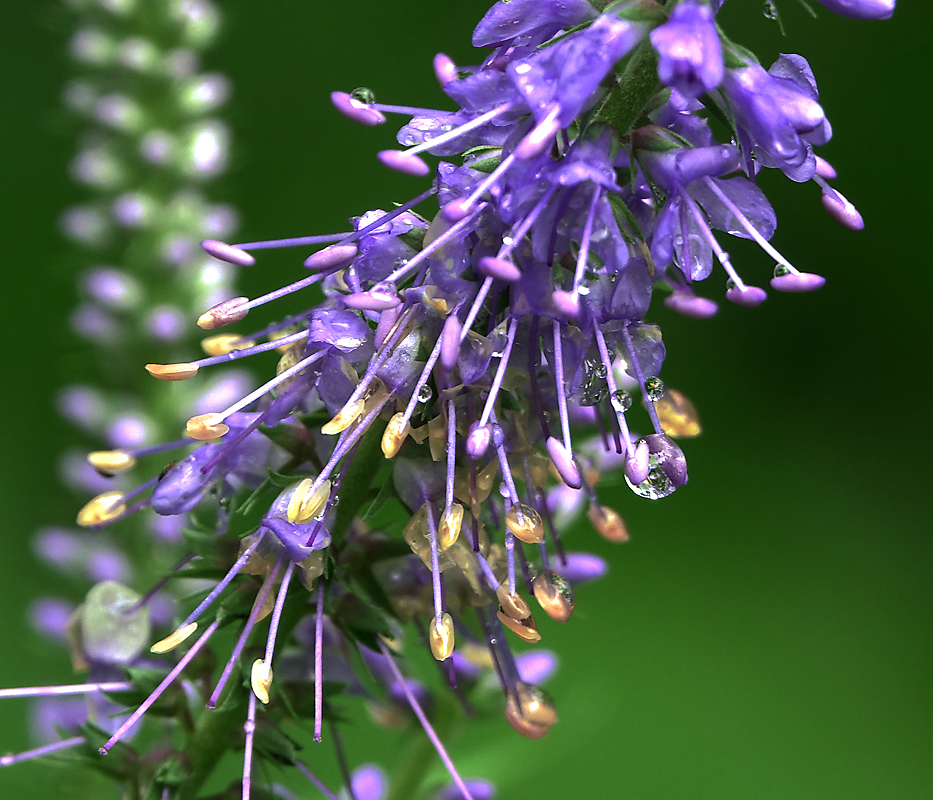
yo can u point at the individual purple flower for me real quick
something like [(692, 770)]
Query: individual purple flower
[(778, 116), (689, 52), (861, 9)]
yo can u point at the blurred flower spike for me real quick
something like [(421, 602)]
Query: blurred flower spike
[(463, 377)]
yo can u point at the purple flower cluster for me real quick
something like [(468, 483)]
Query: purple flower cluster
[(463, 377)]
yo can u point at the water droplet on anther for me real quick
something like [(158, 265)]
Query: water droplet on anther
[(654, 388), (364, 95)]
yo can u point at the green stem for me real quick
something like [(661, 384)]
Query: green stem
[(638, 84), (207, 745)]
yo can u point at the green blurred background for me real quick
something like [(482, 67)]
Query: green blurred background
[(768, 632)]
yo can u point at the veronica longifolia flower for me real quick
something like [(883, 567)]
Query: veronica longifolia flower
[(465, 374)]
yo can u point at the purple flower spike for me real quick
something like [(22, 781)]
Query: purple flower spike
[(402, 162), (479, 790), (566, 303), (637, 465), (564, 464), (499, 268), (689, 52), (333, 257), (227, 252), (841, 210), (748, 296), (690, 305), (478, 441), (536, 666), (861, 9), (582, 567), (444, 69), (797, 282), (369, 783), (356, 110), (825, 170)]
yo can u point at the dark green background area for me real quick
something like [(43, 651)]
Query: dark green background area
[(768, 632)]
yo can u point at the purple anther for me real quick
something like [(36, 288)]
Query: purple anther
[(404, 162), (499, 268), (841, 210), (637, 464), (690, 305), (582, 567), (797, 282), (861, 9), (374, 300), (536, 666), (748, 296), (356, 110), (227, 252), (333, 257), (539, 139), (450, 342), (478, 440), (563, 462), (824, 169), (444, 69), (456, 210), (566, 303)]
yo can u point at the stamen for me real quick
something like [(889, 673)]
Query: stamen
[(457, 132), (500, 373), (319, 661), (166, 682), (249, 728), (258, 605), (38, 752), (111, 462), (303, 769), (451, 233), (224, 313), (445, 70), (614, 394), (103, 508), (436, 577), (584, 254), (60, 691), (459, 209), (419, 713), (189, 625), (299, 241), (248, 350), (172, 372), (307, 502)]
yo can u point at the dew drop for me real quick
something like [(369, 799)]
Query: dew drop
[(654, 388), (621, 401), (425, 394), (364, 95)]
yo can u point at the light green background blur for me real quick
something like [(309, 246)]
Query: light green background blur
[(768, 632)]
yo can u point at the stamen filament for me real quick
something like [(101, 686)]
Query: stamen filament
[(422, 718)]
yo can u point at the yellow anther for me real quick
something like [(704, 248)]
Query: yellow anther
[(442, 637), (607, 523), (395, 434), (344, 418), (111, 462), (677, 414), (222, 343), (172, 372), (101, 509), (260, 678), (205, 427), (306, 504), (512, 605), (530, 711), (223, 313), (449, 530), (525, 523), (172, 641), (554, 595), (525, 629)]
